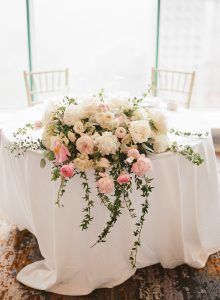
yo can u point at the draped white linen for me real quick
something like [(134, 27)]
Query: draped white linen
[(182, 225)]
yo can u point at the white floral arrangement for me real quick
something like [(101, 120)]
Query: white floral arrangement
[(115, 137)]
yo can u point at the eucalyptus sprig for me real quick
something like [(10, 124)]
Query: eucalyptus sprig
[(24, 142)]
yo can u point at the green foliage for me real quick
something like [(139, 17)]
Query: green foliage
[(189, 134), (42, 163), (188, 152)]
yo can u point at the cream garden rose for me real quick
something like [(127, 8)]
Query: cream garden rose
[(79, 127)]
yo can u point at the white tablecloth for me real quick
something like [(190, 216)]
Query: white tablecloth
[(183, 224)]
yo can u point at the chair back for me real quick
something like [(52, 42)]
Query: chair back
[(44, 84), (173, 85)]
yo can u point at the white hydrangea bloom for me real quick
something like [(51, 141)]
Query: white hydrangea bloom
[(161, 143), (107, 143), (140, 131), (159, 120)]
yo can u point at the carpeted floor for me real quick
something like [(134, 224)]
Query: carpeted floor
[(18, 249)]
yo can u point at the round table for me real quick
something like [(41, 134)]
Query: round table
[(182, 225)]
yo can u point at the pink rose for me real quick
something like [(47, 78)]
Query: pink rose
[(142, 166), (67, 170), (120, 132), (123, 178), (37, 124), (61, 152), (133, 153), (105, 184), (85, 144)]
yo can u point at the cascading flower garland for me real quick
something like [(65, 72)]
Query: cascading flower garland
[(114, 137)]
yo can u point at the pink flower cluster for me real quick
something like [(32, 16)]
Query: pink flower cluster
[(140, 167)]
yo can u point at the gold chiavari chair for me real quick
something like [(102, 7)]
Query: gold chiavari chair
[(40, 85), (173, 85)]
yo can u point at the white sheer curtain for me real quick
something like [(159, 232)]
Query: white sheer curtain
[(13, 54), (190, 40), (106, 44)]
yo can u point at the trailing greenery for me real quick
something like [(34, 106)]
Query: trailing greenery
[(189, 134)]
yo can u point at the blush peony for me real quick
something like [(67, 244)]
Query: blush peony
[(120, 132), (142, 166), (105, 184), (133, 153), (123, 178)]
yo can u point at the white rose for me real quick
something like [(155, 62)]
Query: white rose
[(161, 143), (140, 114), (104, 117), (78, 127), (121, 104), (107, 143), (90, 106), (72, 114), (140, 131), (49, 112), (159, 120), (106, 120)]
